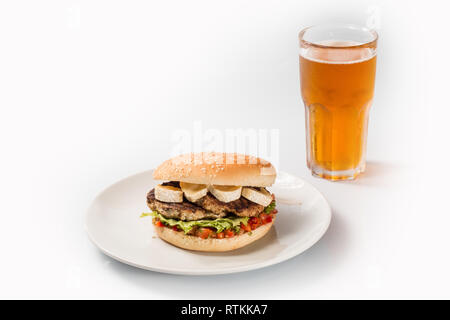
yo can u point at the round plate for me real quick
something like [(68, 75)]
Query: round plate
[(114, 225)]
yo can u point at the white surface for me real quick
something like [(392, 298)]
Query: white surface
[(91, 90), (129, 239)]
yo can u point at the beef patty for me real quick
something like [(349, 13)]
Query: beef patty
[(183, 211), (240, 207), (207, 207)]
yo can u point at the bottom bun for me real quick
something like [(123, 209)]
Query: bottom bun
[(182, 240)]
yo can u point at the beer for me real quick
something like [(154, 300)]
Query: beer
[(337, 84)]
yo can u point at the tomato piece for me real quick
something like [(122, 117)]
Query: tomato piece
[(159, 224), (246, 228), (229, 233), (175, 228), (274, 211), (254, 222), (204, 233), (220, 235), (265, 218)]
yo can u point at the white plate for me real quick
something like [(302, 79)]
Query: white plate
[(114, 225)]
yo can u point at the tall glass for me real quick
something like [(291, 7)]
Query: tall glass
[(337, 75)]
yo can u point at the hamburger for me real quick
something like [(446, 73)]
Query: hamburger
[(212, 201)]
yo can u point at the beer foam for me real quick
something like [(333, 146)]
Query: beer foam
[(337, 55)]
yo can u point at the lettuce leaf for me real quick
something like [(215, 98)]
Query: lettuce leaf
[(220, 224), (270, 207)]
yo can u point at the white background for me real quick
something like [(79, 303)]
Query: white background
[(91, 92)]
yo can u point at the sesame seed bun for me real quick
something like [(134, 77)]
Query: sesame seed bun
[(217, 168), (181, 240)]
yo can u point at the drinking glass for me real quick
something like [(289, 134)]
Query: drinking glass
[(337, 76)]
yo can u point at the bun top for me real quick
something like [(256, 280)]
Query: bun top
[(230, 169)]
